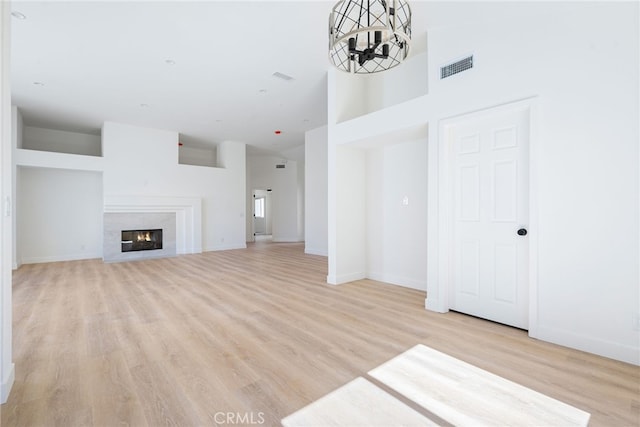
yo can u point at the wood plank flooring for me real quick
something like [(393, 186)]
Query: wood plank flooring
[(249, 336)]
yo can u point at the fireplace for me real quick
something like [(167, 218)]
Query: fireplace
[(141, 240), (124, 229)]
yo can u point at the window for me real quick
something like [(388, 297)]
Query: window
[(258, 208)]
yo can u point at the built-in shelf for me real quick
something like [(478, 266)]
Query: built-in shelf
[(197, 156), (58, 141)]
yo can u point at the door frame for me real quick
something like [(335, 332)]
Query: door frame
[(440, 200), (264, 207), (268, 212)]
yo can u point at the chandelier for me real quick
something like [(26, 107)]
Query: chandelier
[(369, 36)]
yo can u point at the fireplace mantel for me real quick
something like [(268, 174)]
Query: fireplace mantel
[(188, 211)]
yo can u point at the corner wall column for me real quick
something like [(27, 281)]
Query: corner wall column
[(7, 368)]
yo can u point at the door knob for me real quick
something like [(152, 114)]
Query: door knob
[(522, 232)]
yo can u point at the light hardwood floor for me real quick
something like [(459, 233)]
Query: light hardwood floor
[(255, 332)]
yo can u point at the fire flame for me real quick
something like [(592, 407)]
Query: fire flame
[(144, 237)]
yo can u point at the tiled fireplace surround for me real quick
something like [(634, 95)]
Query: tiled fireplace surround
[(180, 218)]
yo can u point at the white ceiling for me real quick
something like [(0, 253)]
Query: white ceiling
[(106, 61), (78, 64)]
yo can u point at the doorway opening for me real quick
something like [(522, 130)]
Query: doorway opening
[(261, 223)]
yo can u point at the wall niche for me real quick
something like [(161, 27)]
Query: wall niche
[(61, 141)]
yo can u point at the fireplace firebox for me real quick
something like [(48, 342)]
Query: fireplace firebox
[(141, 240)]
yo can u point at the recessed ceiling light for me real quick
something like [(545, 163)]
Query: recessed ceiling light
[(170, 61), (38, 83), (18, 15)]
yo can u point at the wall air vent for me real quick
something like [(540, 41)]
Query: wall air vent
[(279, 166), (456, 67), (282, 76)]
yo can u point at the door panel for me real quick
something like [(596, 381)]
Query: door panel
[(489, 184), (469, 200), (506, 259), (504, 194), (470, 267)]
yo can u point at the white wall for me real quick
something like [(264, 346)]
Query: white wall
[(137, 162), (300, 193), (587, 145), (396, 213), (316, 191), (361, 94), (285, 213), (262, 174), (59, 215), (143, 161), (68, 186), (351, 228), (7, 368), (354, 96), (397, 85), (581, 62), (17, 127), (298, 154), (58, 141)]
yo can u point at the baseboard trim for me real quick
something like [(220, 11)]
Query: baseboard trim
[(434, 305), (405, 282), (225, 247), (612, 350), (194, 250), (313, 251), (345, 278), (7, 384), (60, 258)]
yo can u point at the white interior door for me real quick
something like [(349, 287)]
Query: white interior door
[(489, 183)]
